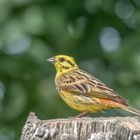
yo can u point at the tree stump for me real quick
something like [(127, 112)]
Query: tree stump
[(86, 128)]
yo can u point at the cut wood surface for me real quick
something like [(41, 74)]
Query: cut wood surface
[(86, 128)]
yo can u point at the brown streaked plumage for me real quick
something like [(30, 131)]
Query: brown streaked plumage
[(82, 91)]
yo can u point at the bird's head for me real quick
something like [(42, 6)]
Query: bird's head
[(63, 63)]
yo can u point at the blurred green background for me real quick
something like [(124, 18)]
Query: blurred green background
[(102, 35)]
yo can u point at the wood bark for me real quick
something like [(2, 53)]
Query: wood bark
[(86, 128)]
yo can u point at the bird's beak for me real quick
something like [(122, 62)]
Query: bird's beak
[(52, 60)]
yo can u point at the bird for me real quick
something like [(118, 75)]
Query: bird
[(82, 91)]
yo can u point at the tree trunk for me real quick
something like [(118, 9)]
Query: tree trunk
[(86, 128)]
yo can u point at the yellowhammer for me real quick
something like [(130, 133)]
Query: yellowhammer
[(82, 91)]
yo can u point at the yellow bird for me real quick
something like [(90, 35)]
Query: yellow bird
[(82, 91)]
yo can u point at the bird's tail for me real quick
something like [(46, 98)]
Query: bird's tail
[(131, 109)]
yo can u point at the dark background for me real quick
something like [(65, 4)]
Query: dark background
[(102, 35)]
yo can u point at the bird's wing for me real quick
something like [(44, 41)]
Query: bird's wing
[(81, 82)]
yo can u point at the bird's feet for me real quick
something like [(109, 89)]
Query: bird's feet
[(81, 114)]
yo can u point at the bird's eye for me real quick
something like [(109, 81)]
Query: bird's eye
[(62, 59)]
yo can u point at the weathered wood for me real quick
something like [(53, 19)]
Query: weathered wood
[(110, 128)]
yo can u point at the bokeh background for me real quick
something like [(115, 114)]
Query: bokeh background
[(102, 35)]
